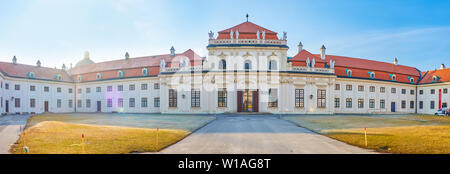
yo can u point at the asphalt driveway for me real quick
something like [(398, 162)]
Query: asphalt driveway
[(258, 134)]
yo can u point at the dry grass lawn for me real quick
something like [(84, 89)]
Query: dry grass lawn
[(52, 137), (405, 140)]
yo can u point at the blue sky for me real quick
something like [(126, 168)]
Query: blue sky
[(57, 32)]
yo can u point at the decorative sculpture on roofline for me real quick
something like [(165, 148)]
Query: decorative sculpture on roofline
[(307, 62), (284, 35), (211, 35), (231, 34), (163, 63), (237, 34), (258, 34), (264, 35), (332, 63), (313, 62)]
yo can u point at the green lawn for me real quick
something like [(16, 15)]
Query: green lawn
[(416, 134)]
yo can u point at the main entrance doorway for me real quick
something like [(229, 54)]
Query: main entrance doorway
[(45, 106), (247, 101), (99, 106)]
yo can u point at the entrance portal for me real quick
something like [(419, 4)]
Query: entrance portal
[(247, 101), (45, 106)]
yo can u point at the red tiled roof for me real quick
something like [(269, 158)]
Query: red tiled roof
[(443, 74), (139, 62), (304, 54), (21, 70), (247, 30)]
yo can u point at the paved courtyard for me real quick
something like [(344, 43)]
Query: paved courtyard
[(10, 126), (258, 134)]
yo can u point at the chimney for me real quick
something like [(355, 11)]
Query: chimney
[(300, 47), (442, 66), (322, 52), (127, 56), (38, 63), (395, 61), (172, 51), (14, 60)]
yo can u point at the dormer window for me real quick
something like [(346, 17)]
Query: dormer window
[(144, 72), (393, 77), (435, 78), (372, 75), (58, 77), (411, 80), (120, 74), (30, 75), (99, 76), (80, 78), (348, 72)]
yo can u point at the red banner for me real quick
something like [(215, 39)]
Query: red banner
[(440, 98)]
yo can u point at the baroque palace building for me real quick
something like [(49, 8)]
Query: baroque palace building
[(247, 69)]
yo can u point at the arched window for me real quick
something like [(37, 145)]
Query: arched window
[(120, 74), (411, 80), (273, 65), (435, 78), (144, 72), (223, 64), (58, 77), (99, 76), (248, 65), (393, 77)]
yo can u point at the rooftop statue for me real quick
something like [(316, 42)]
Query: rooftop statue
[(211, 35)]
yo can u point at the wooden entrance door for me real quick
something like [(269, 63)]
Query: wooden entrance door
[(247, 101), (46, 106), (99, 106), (239, 101), (255, 101), (6, 106)]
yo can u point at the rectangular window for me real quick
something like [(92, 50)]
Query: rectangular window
[(32, 103), (445, 91), (79, 90), (58, 90), (337, 87), (70, 90), (411, 92), (403, 91), (58, 103), (393, 90), (98, 89), (337, 103), (403, 104), (131, 87), (79, 103), (119, 87), (132, 103), (372, 88), (360, 88), (172, 98), (444, 105), (273, 97), (222, 97), (411, 104), (70, 103), (156, 86), (420, 104), (156, 102), (432, 91), (321, 98), (109, 103), (119, 103), (420, 92), (195, 98), (6, 86), (17, 102), (46, 89), (382, 89), (88, 90), (32, 88), (360, 103), (88, 103), (431, 104), (17, 87), (348, 87), (109, 88), (144, 102), (372, 103), (144, 86), (348, 103), (382, 104), (299, 98)]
